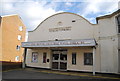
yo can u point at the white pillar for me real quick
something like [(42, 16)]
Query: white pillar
[(23, 63), (24, 58), (93, 61)]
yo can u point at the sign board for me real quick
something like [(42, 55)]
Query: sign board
[(67, 43)]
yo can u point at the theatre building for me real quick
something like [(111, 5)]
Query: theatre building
[(67, 41)]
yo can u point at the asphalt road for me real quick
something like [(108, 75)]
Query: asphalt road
[(48, 74), (27, 74)]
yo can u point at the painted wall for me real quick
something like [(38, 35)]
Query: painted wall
[(10, 31), (81, 29), (105, 33), (108, 38), (79, 58), (40, 58)]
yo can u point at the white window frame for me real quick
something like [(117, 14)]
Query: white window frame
[(34, 57), (20, 28), (17, 58), (19, 37)]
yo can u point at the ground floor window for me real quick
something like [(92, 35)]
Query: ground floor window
[(74, 58), (34, 57), (88, 58), (44, 57)]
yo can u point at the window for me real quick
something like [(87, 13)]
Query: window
[(118, 20), (44, 57), (55, 56), (34, 57), (17, 58), (74, 58), (20, 28), (88, 59), (18, 47), (19, 37)]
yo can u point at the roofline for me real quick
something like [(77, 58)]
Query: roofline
[(58, 14), (108, 16), (9, 15)]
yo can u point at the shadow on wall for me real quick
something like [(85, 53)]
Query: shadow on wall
[(10, 65)]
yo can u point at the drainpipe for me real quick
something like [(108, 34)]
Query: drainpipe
[(24, 58), (93, 68)]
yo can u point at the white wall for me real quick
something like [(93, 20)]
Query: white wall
[(40, 58), (81, 29), (79, 58), (105, 33), (108, 44)]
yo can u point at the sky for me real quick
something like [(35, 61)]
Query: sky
[(33, 12)]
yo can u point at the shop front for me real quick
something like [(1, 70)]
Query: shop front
[(61, 55)]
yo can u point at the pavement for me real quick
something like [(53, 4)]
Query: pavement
[(31, 73)]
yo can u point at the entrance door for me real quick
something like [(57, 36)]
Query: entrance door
[(59, 59)]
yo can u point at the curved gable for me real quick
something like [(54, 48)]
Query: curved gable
[(59, 14), (62, 26)]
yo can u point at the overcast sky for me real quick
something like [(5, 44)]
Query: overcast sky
[(33, 12)]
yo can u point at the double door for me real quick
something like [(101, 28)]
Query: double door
[(59, 59)]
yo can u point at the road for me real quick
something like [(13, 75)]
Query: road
[(49, 74)]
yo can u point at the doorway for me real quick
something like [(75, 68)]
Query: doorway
[(59, 59)]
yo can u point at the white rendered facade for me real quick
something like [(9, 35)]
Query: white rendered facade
[(75, 36)]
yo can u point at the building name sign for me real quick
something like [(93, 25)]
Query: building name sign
[(58, 43), (60, 29)]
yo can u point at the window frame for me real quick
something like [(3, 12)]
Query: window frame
[(36, 56), (74, 54), (20, 28), (19, 37), (89, 58), (44, 57)]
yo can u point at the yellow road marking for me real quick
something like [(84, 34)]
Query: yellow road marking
[(11, 70), (63, 73), (79, 75)]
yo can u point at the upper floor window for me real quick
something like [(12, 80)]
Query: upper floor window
[(20, 28), (118, 21), (19, 37), (17, 58), (18, 47)]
